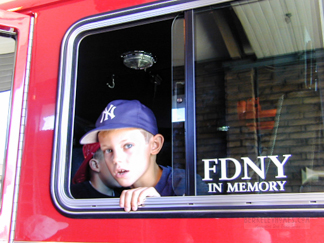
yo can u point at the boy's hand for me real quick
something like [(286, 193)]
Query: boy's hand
[(133, 198)]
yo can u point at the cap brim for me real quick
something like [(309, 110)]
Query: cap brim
[(92, 136)]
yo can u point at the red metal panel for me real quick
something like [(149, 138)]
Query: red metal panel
[(38, 219), (21, 24), (23, 4)]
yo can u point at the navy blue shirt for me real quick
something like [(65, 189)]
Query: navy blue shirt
[(165, 186), (85, 190), (177, 187)]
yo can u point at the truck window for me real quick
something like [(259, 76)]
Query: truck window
[(237, 92), (7, 51), (259, 104)]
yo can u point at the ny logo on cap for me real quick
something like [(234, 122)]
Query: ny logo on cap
[(108, 112)]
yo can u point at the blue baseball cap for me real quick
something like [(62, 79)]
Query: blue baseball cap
[(122, 114)]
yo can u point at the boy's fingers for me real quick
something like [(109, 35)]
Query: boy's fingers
[(122, 199), (128, 199), (131, 199), (136, 198), (147, 192)]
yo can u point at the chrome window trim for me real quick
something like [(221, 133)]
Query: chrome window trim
[(156, 207)]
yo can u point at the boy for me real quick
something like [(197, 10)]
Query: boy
[(93, 178), (128, 136)]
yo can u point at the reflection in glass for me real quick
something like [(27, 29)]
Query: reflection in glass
[(259, 97), (7, 46), (178, 95)]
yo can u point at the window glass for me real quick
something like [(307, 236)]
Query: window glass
[(7, 48), (178, 95), (259, 97), (103, 76)]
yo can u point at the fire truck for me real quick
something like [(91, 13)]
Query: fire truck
[(236, 87)]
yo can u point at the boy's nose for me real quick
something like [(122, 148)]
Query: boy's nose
[(118, 157)]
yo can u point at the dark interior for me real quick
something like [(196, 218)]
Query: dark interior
[(100, 63)]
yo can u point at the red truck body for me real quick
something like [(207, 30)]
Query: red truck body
[(28, 213)]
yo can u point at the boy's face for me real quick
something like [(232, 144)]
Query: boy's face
[(106, 176), (127, 155)]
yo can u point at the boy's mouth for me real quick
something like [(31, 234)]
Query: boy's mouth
[(121, 172)]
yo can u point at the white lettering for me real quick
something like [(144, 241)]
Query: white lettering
[(281, 184), (224, 167), (280, 165), (263, 186), (109, 112), (266, 186), (236, 170), (273, 186), (248, 161), (231, 188), (207, 168), (254, 188), (212, 187), (242, 186)]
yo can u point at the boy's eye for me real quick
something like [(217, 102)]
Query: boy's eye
[(128, 146), (107, 151)]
